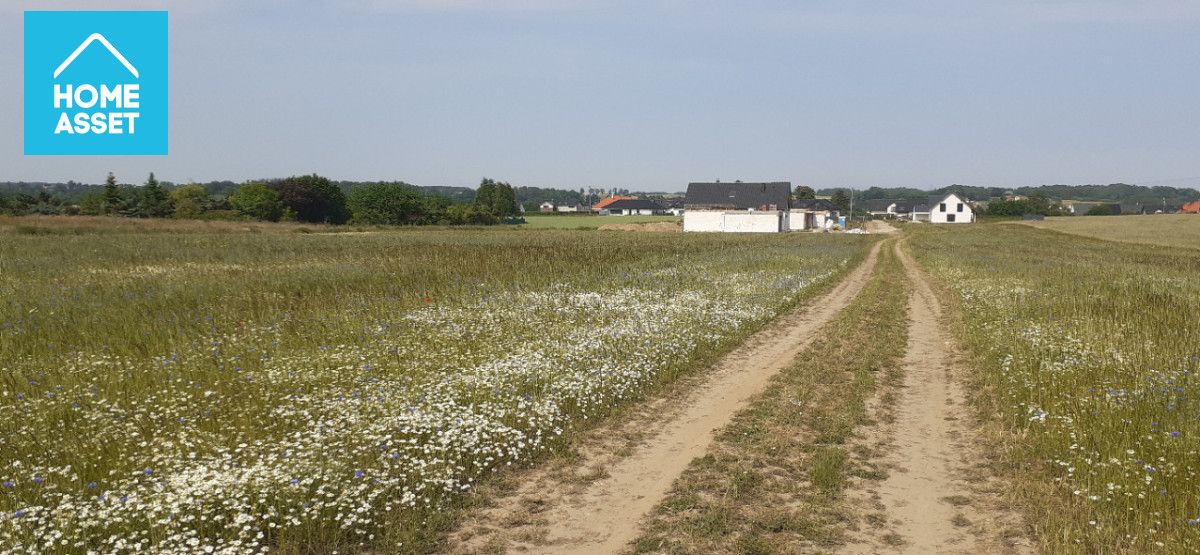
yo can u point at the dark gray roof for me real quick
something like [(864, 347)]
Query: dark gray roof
[(815, 205), (878, 205), (739, 196), (906, 206), (634, 204)]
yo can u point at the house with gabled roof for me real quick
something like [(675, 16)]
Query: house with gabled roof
[(950, 209), (738, 207), (633, 207)]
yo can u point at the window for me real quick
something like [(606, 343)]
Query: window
[(942, 207), (959, 207), (950, 218)]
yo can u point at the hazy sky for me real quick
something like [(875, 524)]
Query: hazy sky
[(652, 94)]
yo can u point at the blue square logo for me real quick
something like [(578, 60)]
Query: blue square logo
[(95, 83)]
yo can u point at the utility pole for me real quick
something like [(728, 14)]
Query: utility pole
[(851, 219)]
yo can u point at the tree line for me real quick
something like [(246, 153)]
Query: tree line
[(305, 198), (1119, 193)]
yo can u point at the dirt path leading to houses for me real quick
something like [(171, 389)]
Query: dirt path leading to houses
[(880, 226), (593, 504), (937, 497)]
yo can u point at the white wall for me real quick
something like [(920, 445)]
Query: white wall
[(952, 202), (734, 222), (703, 220)]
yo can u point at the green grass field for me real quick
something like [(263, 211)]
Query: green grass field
[(1167, 230), (589, 221), (1087, 357), (171, 387)]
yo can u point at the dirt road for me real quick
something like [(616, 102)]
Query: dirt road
[(933, 497), (552, 515)]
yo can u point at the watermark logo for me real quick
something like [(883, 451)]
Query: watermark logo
[(95, 83)]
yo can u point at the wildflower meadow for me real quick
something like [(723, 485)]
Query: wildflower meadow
[(1089, 351), (244, 392)]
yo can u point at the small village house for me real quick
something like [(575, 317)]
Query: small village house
[(738, 207), (546, 207), (604, 202), (951, 209), (633, 207)]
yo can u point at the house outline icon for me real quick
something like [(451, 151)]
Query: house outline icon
[(96, 37)]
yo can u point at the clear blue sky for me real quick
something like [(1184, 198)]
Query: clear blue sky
[(652, 94)]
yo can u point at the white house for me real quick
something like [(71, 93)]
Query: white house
[(951, 209), (546, 207), (571, 208), (633, 207), (738, 207)]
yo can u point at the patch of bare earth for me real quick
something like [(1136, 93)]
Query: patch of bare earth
[(880, 226), (939, 495), (591, 501), (667, 227)]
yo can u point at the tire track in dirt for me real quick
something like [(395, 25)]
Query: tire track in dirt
[(548, 515), (932, 496)]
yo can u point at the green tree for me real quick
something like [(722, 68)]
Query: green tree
[(313, 199), (154, 201), (92, 203), (486, 194), (504, 201), (804, 192), (498, 197), (387, 203), (470, 214), (257, 201), (1099, 210), (190, 201), (113, 200), (840, 199)]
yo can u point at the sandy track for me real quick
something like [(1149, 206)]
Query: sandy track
[(932, 504), (603, 515)]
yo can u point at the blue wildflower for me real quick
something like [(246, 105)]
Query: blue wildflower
[(358, 474), (9, 484)]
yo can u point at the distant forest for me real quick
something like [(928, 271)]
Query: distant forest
[(73, 192), (308, 198), (1120, 193)]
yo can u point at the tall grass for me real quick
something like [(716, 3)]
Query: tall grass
[(1090, 351), (200, 391), (1165, 230)]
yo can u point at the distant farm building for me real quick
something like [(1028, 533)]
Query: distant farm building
[(546, 207), (738, 207), (1191, 208), (633, 207)]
